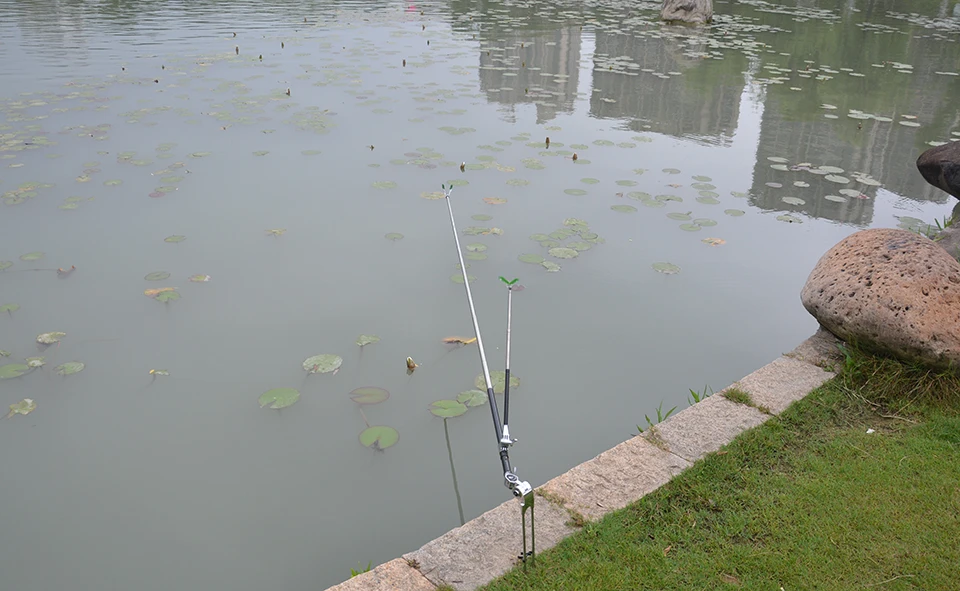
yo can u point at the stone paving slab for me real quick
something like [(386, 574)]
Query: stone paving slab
[(486, 547), (778, 384), (704, 427), (820, 349), (615, 478), (389, 576)]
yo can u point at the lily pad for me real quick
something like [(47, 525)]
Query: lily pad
[(49, 338), (690, 227), (9, 307), (793, 200), (384, 185), (476, 247), (394, 236), (322, 363), (550, 266), (175, 238), (789, 219), (433, 195), (575, 192), (498, 378), (448, 408), (666, 268), (533, 259), (590, 181), (198, 278), (623, 208), (279, 397), (157, 276), (835, 178), (580, 245), (481, 217), (734, 212), (31, 256), (379, 437), (678, 216), (458, 278), (13, 370), (35, 362), (369, 395), (472, 398), (367, 339), (494, 200), (561, 252), (70, 367), (5, 265), (24, 407), (167, 296)]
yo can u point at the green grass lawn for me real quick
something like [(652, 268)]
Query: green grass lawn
[(809, 500)]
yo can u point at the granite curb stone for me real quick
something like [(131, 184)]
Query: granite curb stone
[(785, 380), (615, 478), (486, 547), (389, 576)]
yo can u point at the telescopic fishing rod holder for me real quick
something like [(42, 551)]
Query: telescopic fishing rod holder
[(521, 489)]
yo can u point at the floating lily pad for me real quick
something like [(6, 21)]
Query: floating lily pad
[(9, 308), (70, 367), (714, 241), (31, 256), (734, 212), (394, 236), (481, 217), (627, 183), (24, 407), (671, 170), (498, 378), (34, 362), (494, 200), (458, 278), (690, 227), (5, 265), (550, 266), (518, 182), (575, 192), (793, 200), (49, 338), (384, 185), (322, 363), (702, 179), (476, 247), (379, 437), (167, 296), (175, 239), (448, 408), (367, 339), (835, 198), (789, 219), (835, 178), (533, 259), (623, 208), (561, 252), (112, 183), (157, 276), (580, 245), (433, 195), (13, 370), (680, 217), (200, 154), (279, 397), (475, 256), (705, 222), (369, 395), (666, 268), (708, 200), (589, 181), (198, 278), (472, 398)]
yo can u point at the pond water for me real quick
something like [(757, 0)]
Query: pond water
[(286, 140)]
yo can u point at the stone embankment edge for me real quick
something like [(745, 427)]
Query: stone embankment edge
[(486, 547)]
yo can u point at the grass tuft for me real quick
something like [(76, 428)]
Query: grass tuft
[(739, 396)]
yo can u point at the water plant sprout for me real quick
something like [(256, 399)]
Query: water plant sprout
[(521, 489)]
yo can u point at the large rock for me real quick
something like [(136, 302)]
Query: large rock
[(940, 167), (688, 11), (892, 291)]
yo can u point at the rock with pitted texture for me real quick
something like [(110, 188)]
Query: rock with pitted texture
[(940, 167), (891, 291), (687, 11)]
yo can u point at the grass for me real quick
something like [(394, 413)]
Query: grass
[(809, 500)]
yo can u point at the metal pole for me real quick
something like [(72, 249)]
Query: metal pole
[(495, 413), (506, 370)]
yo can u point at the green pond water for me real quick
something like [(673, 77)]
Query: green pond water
[(277, 164)]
